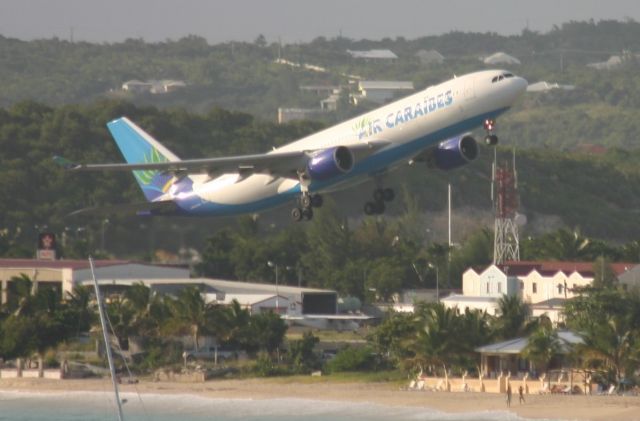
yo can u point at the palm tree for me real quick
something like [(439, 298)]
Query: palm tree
[(437, 341), (512, 319), (614, 343), (542, 346), (79, 305), (149, 310), (191, 314), (234, 324)]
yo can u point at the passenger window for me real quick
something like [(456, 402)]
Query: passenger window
[(501, 77), (494, 80), (508, 75)]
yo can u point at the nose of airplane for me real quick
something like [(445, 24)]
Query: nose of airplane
[(521, 83)]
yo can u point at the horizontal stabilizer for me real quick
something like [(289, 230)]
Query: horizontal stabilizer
[(167, 207), (65, 163)]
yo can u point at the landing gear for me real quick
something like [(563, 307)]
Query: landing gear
[(490, 139), (305, 210), (380, 196)]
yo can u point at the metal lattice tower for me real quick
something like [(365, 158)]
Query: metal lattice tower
[(506, 244)]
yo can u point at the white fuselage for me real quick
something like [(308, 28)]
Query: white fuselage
[(409, 125)]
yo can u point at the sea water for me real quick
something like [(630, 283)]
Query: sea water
[(100, 406)]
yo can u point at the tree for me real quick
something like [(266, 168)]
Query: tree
[(190, 314), (301, 353), (385, 277), (603, 274), (149, 310), (394, 336), (81, 315), (607, 320), (267, 332), (512, 318), (438, 340), (542, 346)]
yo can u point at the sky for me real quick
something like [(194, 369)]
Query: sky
[(291, 20)]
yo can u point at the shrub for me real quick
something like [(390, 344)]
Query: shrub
[(352, 359)]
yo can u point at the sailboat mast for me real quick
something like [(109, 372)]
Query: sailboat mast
[(105, 334)]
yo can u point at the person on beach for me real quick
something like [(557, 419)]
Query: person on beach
[(521, 394), (509, 396)]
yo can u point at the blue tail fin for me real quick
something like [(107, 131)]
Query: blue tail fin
[(137, 146)]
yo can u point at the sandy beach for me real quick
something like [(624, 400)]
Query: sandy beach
[(537, 406)]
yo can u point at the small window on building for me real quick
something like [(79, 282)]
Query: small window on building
[(499, 287), (487, 287), (534, 288), (522, 285), (560, 289)]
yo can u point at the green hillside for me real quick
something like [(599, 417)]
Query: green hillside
[(599, 194), (602, 109)]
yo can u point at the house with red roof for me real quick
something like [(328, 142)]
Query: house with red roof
[(544, 285)]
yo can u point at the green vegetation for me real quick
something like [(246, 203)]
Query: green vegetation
[(602, 110), (431, 340), (57, 97)]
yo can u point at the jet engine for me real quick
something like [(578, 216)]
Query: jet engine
[(329, 163), (455, 152)]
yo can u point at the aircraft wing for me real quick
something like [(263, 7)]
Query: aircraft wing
[(284, 164)]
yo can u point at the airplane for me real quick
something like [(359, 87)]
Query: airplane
[(429, 126)]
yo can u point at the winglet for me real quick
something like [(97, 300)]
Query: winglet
[(65, 163)]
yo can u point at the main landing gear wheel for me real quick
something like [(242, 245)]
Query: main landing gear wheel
[(380, 196), (296, 214), (305, 210)]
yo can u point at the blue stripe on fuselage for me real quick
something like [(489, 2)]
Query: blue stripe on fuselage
[(196, 206)]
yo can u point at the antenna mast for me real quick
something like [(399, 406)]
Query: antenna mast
[(506, 243)]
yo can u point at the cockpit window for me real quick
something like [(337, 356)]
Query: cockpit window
[(501, 77)]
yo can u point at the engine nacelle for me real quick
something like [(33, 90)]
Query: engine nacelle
[(455, 152), (330, 163)]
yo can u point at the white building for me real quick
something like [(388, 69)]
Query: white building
[(153, 86), (381, 91), (256, 303), (501, 58), (611, 63), (382, 55), (136, 86), (63, 275), (544, 86), (285, 115), (543, 285), (430, 57)]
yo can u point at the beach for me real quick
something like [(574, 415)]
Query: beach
[(564, 407)]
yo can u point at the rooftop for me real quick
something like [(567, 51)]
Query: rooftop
[(386, 84), (373, 54), (61, 264), (525, 267), (517, 345)]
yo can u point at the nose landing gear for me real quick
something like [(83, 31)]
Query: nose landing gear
[(490, 139)]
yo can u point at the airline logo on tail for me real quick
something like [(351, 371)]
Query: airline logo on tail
[(139, 147), (153, 181)]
